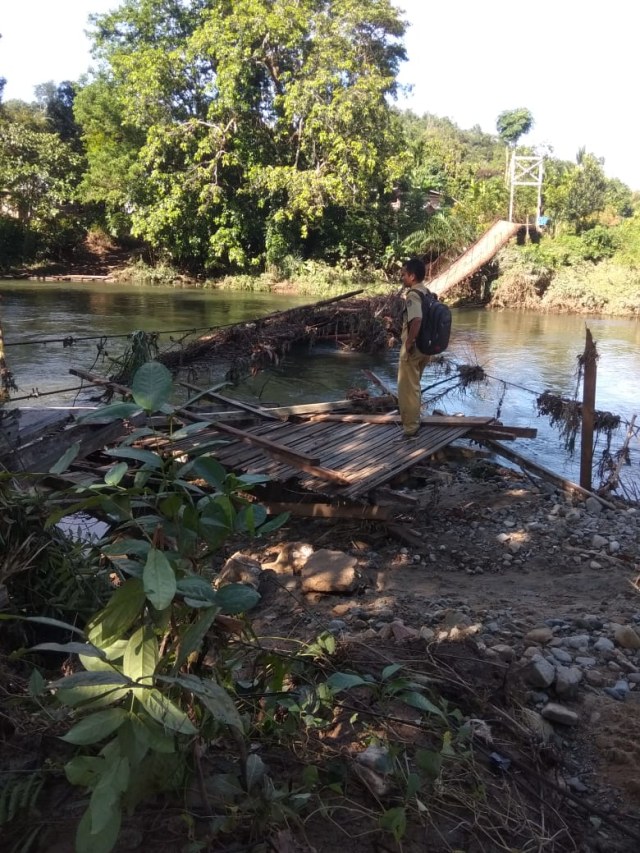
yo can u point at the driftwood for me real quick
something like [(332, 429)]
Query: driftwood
[(544, 473)]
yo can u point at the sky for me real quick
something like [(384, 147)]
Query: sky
[(572, 63)]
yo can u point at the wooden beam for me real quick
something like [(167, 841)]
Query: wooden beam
[(590, 367), (228, 401), (321, 510), (544, 473)]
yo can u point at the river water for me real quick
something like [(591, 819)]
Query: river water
[(523, 353)]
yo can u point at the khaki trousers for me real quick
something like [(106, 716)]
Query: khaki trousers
[(409, 396)]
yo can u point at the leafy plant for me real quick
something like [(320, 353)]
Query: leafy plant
[(141, 698)]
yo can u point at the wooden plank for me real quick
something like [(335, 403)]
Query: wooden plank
[(291, 458), (201, 392), (427, 420), (238, 404), (411, 457), (325, 510)]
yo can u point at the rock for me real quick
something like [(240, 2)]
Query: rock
[(539, 635), (504, 652), (402, 633), (384, 614), (579, 641), (585, 662), (455, 619), (589, 622), (614, 546), (427, 634), (291, 559), (598, 541), (604, 645), (240, 569), (557, 713), (593, 506), (376, 758), (576, 785), (537, 724), (337, 626), (614, 693), (561, 656), (567, 680), (626, 637), (329, 571), (594, 678), (622, 685), (539, 672)]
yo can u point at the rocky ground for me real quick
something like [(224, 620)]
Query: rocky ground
[(538, 584)]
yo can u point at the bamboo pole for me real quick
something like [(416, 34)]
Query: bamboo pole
[(589, 360)]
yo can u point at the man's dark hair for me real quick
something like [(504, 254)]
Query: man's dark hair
[(416, 267)]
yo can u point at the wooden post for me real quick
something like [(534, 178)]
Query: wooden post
[(6, 382), (589, 361)]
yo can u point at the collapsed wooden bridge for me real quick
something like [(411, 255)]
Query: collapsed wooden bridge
[(322, 459)]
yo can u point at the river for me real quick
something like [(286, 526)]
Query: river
[(528, 351)]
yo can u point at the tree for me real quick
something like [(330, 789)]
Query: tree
[(512, 124), (586, 192), (260, 119)]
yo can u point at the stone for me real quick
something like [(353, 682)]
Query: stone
[(557, 713), (634, 677), (585, 662), (598, 541), (240, 569), (561, 656), (567, 680), (589, 621), (539, 635), (539, 672), (614, 546), (427, 634), (576, 785), (329, 571), (536, 724), (604, 644), (337, 626), (594, 678), (291, 558), (626, 637), (402, 633), (593, 506), (504, 652), (579, 641)]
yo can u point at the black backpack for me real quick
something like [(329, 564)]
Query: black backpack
[(435, 329)]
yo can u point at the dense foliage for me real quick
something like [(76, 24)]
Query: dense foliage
[(254, 135)]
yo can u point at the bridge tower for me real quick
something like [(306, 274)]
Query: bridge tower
[(526, 171)]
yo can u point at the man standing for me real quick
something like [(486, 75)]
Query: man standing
[(412, 361)]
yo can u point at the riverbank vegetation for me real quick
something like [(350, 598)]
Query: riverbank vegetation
[(227, 147)]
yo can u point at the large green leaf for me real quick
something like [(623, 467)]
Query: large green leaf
[(417, 700), (124, 607), (215, 699), (66, 459), (114, 412), (210, 471), (105, 800), (165, 712), (84, 770), (141, 656), (159, 579), (150, 459), (90, 679), (344, 681), (236, 598), (70, 649), (98, 842), (191, 640), (96, 727), (151, 386), (114, 475)]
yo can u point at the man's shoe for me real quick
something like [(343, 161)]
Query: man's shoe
[(410, 435)]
